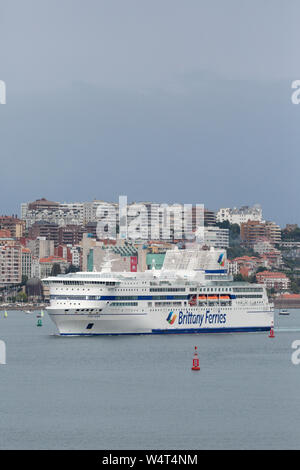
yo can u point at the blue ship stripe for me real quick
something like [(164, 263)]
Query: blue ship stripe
[(183, 331), (215, 271)]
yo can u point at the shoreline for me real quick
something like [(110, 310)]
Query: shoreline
[(280, 305), (31, 308)]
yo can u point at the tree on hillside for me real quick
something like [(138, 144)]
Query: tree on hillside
[(55, 269), (72, 269)]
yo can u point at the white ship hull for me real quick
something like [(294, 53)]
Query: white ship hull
[(192, 293), (192, 320)]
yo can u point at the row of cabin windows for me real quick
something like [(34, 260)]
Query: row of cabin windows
[(167, 289), (123, 304)]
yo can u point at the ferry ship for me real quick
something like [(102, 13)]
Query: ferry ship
[(192, 293)]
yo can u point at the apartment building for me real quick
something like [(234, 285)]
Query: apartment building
[(26, 262), (15, 226), (252, 232), (10, 263), (241, 215), (273, 280)]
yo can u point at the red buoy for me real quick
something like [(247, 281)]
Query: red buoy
[(272, 334), (196, 360)]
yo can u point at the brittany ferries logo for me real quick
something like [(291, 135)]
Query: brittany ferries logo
[(221, 260), (171, 318)]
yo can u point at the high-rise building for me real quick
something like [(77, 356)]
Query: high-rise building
[(26, 262), (253, 232), (10, 263)]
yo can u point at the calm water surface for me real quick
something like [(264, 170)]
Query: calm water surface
[(139, 392)]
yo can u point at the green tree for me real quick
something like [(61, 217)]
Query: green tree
[(72, 269), (238, 278), (21, 297), (55, 269)]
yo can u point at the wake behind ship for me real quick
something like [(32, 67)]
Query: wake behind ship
[(192, 293)]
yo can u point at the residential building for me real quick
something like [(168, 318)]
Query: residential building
[(76, 256), (53, 212), (232, 267), (253, 232), (247, 265), (71, 234), (26, 262), (10, 263), (273, 280), (241, 215), (263, 246), (48, 230), (213, 236), (41, 247), (14, 225), (274, 258), (46, 265)]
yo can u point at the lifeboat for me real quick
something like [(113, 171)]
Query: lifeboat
[(193, 300)]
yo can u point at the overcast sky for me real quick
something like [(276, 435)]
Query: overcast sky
[(164, 100)]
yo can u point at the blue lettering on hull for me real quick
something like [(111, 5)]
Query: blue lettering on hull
[(201, 318)]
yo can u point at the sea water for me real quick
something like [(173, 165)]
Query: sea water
[(138, 392)]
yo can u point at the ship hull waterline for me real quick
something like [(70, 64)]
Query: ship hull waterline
[(143, 324)]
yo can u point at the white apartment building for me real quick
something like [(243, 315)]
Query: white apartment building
[(213, 236), (263, 246), (76, 255), (241, 215), (216, 237)]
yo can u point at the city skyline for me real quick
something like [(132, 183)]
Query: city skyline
[(238, 207)]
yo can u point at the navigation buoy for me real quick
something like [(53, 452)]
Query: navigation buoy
[(272, 334), (39, 322), (196, 360), (42, 313), (5, 314)]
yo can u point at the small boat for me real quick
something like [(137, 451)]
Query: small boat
[(284, 311), (27, 311)]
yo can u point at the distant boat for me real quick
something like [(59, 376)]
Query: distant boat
[(284, 311), (27, 311)]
